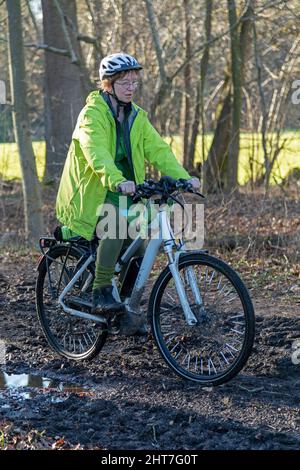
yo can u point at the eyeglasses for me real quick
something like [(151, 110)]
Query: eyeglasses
[(127, 84)]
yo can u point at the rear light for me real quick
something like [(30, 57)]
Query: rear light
[(47, 242)]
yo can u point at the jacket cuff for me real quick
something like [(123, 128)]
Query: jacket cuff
[(115, 184)]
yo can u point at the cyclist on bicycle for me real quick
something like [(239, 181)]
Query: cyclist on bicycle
[(112, 140)]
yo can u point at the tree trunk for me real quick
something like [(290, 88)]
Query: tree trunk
[(214, 165), (125, 33), (231, 181), (31, 187), (65, 82), (163, 83), (188, 163), (199, 106), (228, 124), (95, 11)]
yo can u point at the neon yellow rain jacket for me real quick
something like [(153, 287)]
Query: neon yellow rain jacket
[(90, 171)]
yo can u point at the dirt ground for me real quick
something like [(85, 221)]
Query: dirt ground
[(127, 398)]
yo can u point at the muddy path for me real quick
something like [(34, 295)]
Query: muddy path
[(127, 398)]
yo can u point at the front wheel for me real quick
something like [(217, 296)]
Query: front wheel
[(216, 348)]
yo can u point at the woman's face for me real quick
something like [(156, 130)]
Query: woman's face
[(126, 86)]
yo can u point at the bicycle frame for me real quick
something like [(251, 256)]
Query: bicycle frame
[(165, 237)]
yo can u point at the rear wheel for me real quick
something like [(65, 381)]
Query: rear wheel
[(216, 348), (70, 336)]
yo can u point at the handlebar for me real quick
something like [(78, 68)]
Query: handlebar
[(165, 187)]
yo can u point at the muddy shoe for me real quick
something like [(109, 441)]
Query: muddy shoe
[(132, 323), (104, 302), (142, 330)]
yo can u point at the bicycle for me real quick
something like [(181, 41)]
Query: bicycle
[(200, 312)]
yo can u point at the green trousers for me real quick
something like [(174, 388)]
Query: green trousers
[(109, 250)]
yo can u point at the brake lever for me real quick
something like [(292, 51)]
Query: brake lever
[(137, 196), (190, 190), (199, 194)]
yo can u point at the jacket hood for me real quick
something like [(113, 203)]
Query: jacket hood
[(95, 98)]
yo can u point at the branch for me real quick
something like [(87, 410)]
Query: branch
[(211, 41), (88, 39), (55, 50), (115, 7), (292, 12), (74, 58), (272, 4), (263, 106), (97, 29), (33, 19), (156, 40), (80, 37)]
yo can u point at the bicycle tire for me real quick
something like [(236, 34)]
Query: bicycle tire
[(154, 317), (54, 253)]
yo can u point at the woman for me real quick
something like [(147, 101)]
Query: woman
[(112, 140)]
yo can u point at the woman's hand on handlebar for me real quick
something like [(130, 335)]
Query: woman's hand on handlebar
[(127, 188), (165, 187), (195, 182)]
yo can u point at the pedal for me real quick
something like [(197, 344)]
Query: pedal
[(113, 325), (130, 323)]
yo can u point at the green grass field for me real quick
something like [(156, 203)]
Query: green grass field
[(250, 150), (10, 164)]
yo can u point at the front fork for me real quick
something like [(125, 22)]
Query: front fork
[(192, 281), (168, 238)]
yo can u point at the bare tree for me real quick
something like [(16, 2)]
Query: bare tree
[(272, 120), (96, 18), (199, 104), (66, 83), (31, 188), (220, 169), (164, 82), (188, 163), (234, 144)]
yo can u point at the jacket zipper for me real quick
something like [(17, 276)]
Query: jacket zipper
[(131, 118)]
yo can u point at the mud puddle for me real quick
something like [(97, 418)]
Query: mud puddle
[(28, 385)]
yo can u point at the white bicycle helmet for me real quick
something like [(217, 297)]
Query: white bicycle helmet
[(114, 63)]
